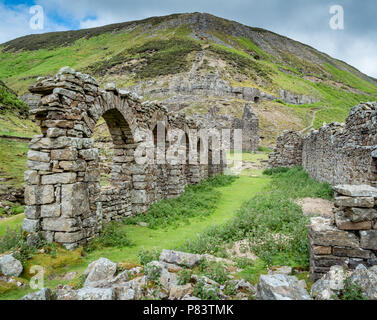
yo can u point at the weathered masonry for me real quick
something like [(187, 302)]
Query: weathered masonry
[(336, 153), (345, 156), (64, 199)]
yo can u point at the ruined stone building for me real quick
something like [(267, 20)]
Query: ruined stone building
[(336, 153), (64, 199), (343, 155)]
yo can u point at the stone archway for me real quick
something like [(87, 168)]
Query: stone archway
[(63, 196)]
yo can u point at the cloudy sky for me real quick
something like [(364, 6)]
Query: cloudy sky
[(303, 20)]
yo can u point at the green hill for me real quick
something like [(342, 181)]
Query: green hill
[(189, 61)]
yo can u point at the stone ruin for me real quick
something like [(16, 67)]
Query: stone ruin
[(349, 238), (64, 199), (345, 156), (336, 153)]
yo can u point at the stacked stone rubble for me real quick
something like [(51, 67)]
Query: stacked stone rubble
[(64, 199), (350, 237)]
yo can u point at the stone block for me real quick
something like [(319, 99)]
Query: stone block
[(49, 143), (59, 178), (360, 214), (35, 194), (38, 156), (78, 165), (346, 224), (55, 132), (320, 250), (352, 253), (362, 202), (356, 190), (368, 239), (75, 199), (60, 224), (50, 210), (64, 154), (36, 165), (31, 177), (323, 234), (139, 196), (68, 237), (32, 212), (30, 225), (89, 154)]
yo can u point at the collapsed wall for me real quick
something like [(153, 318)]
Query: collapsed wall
[(64, 198), (336, 153), (349, 237)]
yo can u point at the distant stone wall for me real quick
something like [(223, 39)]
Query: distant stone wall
[(63, 196), (336, 153), (349, 237), (288, 151)]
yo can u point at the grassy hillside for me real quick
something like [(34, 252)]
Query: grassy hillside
[(156, 51)]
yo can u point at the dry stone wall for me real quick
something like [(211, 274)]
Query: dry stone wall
[(349, 238), (288, 151), (64, 199), (336, 153)]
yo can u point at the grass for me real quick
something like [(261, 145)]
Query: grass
[(232, 197), (197, 200), (272, 222), (13, 161), (13, 222)]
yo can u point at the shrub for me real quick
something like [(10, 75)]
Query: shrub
[(147, 256), (352, 291), (11, 240), (230, 289), (153, 272), (184, 276), (206, 292), (213, 270)]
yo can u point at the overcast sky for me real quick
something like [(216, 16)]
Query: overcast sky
[(303, 20)]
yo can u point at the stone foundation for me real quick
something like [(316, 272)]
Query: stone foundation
[(350, 237)]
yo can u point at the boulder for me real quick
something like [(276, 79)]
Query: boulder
[(178, 292), (330, 285), (98, 271), (95, 294), (44, 294), (367, 280), (9, 266), (280, 287), (179, 258)]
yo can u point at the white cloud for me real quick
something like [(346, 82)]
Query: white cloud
[(15, 22)]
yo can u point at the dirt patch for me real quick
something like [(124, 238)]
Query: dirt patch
[(315, 206)]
